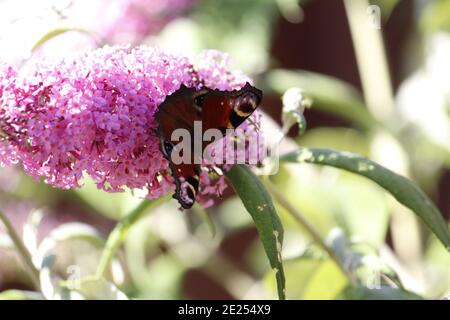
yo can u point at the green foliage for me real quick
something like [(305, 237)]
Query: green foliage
[(404, 190), (259, 205), (329, 94), (59, 31), (436, 16), (327, 240)]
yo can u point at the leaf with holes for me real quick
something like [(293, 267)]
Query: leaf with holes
[(259, 204), (404, 190)]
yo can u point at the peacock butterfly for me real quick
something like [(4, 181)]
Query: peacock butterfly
[(215, 109)]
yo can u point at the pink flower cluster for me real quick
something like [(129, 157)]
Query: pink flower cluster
[(94, 113)]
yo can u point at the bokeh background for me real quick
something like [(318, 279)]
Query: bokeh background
[(384, 97)]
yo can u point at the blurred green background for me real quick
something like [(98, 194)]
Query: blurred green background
[(386, 97)]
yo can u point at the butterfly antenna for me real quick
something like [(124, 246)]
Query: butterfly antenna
[(257, 127)]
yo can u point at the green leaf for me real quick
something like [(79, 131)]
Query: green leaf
[(92, 288), (383, 293), (58, 31), (329, 94), (338, 138), (435, 17), (20, 295), (326, 283), (259, 204), (299, 272), (401, 188), (436, 262)]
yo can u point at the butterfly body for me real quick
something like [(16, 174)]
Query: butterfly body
[(213, 109)]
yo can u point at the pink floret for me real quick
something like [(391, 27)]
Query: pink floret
[(94, 113)]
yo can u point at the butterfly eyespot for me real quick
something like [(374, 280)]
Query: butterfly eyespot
[(245, 109), (198, 100), (218, 109), (167, 148)]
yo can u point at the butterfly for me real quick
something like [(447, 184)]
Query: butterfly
[(215, 109)]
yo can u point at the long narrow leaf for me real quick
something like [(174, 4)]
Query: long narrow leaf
[(259, 204), (403, 189), (329, 94)]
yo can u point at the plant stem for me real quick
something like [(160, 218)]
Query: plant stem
[(301, 219), (120, 231), (22, 251), (371, 58), (378, 94)]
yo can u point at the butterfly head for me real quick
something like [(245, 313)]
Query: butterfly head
[(246, 101), (242, 104)]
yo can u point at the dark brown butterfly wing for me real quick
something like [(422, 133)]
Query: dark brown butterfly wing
[(229, 109), (177, 112), (216, 110)]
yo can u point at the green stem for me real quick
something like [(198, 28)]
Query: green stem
[(22, 251), (371, 59), (378, 94), (120, 231), (301, 219)]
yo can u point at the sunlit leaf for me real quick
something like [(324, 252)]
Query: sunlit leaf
[(58, 31), (259, 204), (326, 282), (403, 189), (366, 216), (299, 271), (437, 262), (337, 138), (436, 16), (20, 295), (99, 289), (314, 193)]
